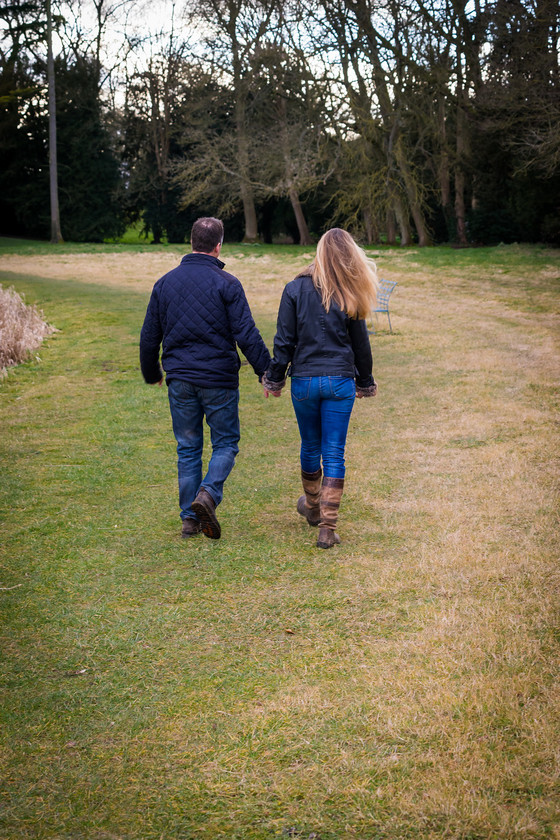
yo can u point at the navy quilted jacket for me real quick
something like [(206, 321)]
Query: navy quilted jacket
[(198, 313)]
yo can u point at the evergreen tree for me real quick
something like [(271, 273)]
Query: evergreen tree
[(89, 173)]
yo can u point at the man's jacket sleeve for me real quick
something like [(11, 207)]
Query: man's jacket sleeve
[(245, 332), (150, 341)]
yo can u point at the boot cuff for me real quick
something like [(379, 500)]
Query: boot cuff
[(311, 476), (333, 482)]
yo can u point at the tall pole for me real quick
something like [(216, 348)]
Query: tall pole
[(56, 235)]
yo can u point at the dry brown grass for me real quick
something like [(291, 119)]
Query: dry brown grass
[(22, 329)]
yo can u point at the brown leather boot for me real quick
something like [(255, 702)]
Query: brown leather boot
[(190, 528), (205, 508), (331, 494), (309, 504)]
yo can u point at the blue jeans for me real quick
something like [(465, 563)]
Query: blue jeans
[(323, 405), (189, 404)]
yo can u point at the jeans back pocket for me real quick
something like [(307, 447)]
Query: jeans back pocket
[(342, 387), (300, 387)]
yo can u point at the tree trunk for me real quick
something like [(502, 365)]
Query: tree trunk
[(411, 188), (403, 222), (424, 237), (246, 190), (443, 163), (461, 143), (250, 213), (460, 213), (391, 228), (443, 169), (372, 232), (304, 236), (56, 234)]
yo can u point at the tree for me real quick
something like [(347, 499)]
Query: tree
[(89, 172), (374, 62), (56, 234), (515, 129), (287, 117), (237, 27), (171, 105), (82, 162), (24, 194)]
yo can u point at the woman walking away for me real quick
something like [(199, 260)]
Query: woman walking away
[(322, 335)]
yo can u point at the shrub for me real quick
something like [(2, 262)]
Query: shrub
[(22, 329)]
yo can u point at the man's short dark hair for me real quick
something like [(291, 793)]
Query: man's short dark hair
[(206, 233)]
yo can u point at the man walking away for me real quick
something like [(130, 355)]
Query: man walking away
[(198, 313)]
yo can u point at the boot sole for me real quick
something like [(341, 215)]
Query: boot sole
[(192, 534), (207, 517)]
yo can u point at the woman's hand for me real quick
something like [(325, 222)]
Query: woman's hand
[(370, 391)]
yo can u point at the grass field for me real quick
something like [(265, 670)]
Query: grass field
[(401, 686)]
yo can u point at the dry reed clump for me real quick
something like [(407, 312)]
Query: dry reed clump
[(22, 329)]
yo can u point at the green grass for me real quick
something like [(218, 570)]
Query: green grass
[(31, 247), (529, 258), (131, 243), (403, 685)]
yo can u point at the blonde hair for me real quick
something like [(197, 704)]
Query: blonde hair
[(342, 272)]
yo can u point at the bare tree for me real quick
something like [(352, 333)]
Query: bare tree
[(288, 113), (163, 96), (237, 27), (56, 234), (373, 64)]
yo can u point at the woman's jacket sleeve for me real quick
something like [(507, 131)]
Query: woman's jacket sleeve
[(285, 340), (363, 360)]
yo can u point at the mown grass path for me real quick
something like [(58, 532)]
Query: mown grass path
[(402, 685)]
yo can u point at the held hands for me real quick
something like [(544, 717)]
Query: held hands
[(271, 388)]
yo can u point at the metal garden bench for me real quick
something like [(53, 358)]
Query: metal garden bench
[(383, 294)]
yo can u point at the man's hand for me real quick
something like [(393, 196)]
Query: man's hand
[(268, 394), (160, 383)]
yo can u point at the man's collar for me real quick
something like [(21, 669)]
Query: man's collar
[(201, 256)]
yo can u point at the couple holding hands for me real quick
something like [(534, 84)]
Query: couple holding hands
[(198, 314)]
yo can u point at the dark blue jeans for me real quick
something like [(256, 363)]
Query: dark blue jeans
[(189, 405), (323, 405)]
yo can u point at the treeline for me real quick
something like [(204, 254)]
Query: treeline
[(415, 121)]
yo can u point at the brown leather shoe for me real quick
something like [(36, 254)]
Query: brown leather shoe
[(191, 527), (205, 508)]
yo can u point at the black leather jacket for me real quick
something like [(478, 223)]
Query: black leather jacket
[(318, 343)]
